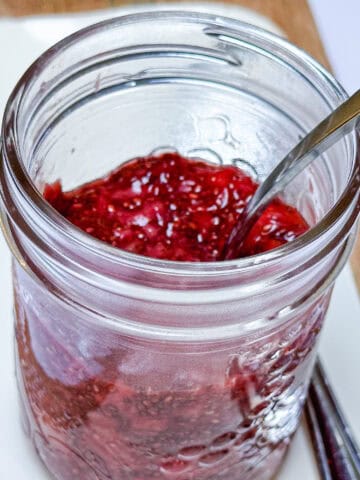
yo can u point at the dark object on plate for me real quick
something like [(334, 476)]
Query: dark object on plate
[(337, 453)]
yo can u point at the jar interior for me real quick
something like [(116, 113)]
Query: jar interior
[(203, 93)]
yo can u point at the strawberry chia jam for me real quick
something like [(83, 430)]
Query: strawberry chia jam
[(91, 416), (173, 208)]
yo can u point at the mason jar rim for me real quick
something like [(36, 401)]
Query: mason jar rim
[(35, 199)]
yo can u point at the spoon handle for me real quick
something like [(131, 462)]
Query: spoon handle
[(339, 123)]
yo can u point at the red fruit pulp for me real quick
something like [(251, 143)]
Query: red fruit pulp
[(173, 208)]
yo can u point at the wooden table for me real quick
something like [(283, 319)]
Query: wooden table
[(293, 16)]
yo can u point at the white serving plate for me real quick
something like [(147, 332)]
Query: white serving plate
[(21, 41)]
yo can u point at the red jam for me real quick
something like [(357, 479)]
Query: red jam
[(91, 419), (100, 408), (173, 208)]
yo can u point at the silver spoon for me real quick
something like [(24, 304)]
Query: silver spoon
[(340, 122)]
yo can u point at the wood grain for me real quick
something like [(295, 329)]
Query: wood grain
[(293, 16), (33, 7)]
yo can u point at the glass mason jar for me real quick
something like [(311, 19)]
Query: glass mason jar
[(131, 368)]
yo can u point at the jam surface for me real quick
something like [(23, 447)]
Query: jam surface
[(173, 208)]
